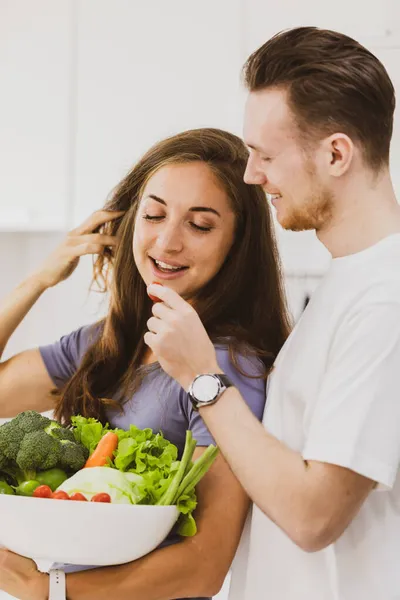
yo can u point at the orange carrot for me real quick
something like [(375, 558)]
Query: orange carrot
[(104, 450)]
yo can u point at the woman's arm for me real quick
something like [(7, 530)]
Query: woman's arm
[(196, 566), (24, 381)]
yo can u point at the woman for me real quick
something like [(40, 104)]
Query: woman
[(182, 217)]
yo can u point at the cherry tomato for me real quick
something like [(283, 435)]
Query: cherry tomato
[(42, 491), (101, 497), (154, 298), (78, 496), (60, 495)]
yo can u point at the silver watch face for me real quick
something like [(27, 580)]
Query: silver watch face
[(205, 388)]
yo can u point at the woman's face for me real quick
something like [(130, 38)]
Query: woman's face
[(184, 228)]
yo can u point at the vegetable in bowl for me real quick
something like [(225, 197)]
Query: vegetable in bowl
[(90, 461), (35, 449), (145, 460)]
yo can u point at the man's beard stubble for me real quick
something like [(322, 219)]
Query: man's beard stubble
[(316, 211)]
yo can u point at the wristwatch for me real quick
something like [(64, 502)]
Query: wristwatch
[(57, 589), (206, 389)]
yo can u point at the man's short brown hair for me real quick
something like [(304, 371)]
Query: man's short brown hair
[(334, 84)]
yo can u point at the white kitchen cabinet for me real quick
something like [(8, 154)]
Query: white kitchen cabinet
[(35, 113), (144, 71)]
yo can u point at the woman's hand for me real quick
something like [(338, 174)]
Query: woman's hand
[(20, 577), (63, 261), (178, 339)]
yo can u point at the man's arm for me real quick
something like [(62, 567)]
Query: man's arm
[(196, 566), (312, 502)]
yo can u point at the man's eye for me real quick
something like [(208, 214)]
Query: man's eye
[(265, 158)]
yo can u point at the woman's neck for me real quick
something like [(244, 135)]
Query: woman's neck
[(148, 357)]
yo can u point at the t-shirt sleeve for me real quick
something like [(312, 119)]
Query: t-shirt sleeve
[(62, 358), (356, 421), (252, 389)]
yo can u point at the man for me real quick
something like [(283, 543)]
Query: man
[(323, 472)]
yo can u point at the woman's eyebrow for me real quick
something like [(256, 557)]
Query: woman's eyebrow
[(192, 209)]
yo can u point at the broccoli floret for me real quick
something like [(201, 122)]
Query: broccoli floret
[(4, 461), (73, 456), (30, 421), (60, 433), (31, 443), (38, 452), (11, 437)]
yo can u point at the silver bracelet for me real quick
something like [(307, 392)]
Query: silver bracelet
[(57, 589)]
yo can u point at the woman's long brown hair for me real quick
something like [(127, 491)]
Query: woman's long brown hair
[(243, 306)]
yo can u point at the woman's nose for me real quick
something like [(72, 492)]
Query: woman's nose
[(170, 238)]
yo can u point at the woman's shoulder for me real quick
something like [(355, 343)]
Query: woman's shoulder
[(242, 359), (66, 353), (247, 373)]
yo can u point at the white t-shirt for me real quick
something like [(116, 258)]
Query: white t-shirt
[(334, 396)]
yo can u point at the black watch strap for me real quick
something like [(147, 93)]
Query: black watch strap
[(225, 379)]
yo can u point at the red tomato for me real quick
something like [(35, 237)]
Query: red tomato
[(42, 491), (101, 497), (78, 496), (154, 298), (60, 495)]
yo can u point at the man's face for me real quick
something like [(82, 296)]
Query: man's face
[(278, 161)]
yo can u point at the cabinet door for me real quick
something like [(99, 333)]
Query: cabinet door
[(371, 23), (147, 70), (35, 101)]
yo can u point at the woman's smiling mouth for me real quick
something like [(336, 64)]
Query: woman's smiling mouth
[(167, 270)]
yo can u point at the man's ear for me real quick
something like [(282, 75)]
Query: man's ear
[(339, 151)]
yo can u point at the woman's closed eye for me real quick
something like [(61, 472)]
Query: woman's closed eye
[(195, 226)]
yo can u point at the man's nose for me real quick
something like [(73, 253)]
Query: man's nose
[(170, 238), (253, 174)]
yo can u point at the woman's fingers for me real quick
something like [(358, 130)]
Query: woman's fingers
[(170, 298), (154, 325), (161, 310), (92, 238), (86, 248), (98, 218)]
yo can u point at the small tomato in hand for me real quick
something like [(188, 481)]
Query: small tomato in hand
[(101, 497), (154, 298), (60, 495), (78, 496), (42, 491)]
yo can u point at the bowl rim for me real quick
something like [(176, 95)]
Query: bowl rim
[(12, 498)]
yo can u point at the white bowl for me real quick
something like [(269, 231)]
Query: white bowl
[(82, 533)]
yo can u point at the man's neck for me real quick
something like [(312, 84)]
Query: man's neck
[(364, 215)]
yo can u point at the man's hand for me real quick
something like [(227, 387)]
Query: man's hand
[(20, 577), (177, 337)]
